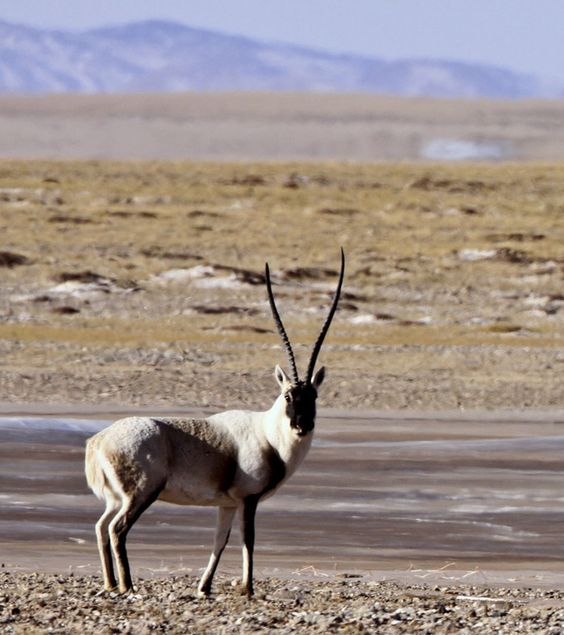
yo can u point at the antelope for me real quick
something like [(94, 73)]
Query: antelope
[(231, 460)]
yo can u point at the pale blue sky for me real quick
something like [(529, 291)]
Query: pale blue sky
[(526, 35)]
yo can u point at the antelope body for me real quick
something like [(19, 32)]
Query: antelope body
[(230, 460)]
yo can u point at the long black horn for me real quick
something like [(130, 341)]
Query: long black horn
[(325, 327), (280, 327)]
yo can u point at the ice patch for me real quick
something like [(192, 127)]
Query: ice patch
[(78, 289), (224, 282), (203, 276), (192, 273), (536, 300), (471, 255), (33, 424), (461, 150), (426, 319), (535, 314), (365, 318)]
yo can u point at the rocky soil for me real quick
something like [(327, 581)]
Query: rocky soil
[(41, 603)]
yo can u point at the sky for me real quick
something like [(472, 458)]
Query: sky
[(523, 35)]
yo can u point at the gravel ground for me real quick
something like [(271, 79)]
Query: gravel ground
[(41, 603)]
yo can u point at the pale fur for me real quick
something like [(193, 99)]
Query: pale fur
[(230, 460)]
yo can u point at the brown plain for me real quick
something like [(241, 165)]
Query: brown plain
[(453, 295)]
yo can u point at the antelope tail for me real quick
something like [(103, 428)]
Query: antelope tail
[(95, 476)]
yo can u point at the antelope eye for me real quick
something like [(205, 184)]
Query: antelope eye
[(287, 398)]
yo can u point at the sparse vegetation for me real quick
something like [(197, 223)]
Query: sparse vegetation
[(455, 278)]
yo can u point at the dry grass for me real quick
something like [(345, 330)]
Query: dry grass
[(410, 233)]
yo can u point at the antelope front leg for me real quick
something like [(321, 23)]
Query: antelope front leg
[(248, 533), (223, 529)]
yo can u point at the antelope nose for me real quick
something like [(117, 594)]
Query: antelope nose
[(303, 425)]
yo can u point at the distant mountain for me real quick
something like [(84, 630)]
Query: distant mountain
[(165, 56)]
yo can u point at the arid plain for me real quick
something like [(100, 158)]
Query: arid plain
[(142, 283), (431, 498)]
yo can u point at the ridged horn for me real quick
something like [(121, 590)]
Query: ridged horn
[(280, 327), (327, 324)]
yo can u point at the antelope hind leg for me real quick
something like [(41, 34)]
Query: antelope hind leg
[(122, 522), (103, 540)]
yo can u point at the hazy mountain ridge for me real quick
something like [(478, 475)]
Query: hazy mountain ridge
[(166, 56)]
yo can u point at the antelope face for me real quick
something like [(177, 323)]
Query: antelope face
[(300, 400), (300, 408)]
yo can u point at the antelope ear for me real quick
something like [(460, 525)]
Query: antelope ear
[(318, 377), (281, 378)]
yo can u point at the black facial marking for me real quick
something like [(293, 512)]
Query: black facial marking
[(300, 407)]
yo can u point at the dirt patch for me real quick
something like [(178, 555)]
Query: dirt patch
[(80, 276), (10, 260)]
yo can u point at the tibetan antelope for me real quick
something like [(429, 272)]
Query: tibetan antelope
[(231, 460)]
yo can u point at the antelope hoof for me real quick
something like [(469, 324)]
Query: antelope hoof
[(107, 591)]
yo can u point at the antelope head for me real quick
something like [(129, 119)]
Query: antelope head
[(300, 394)]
